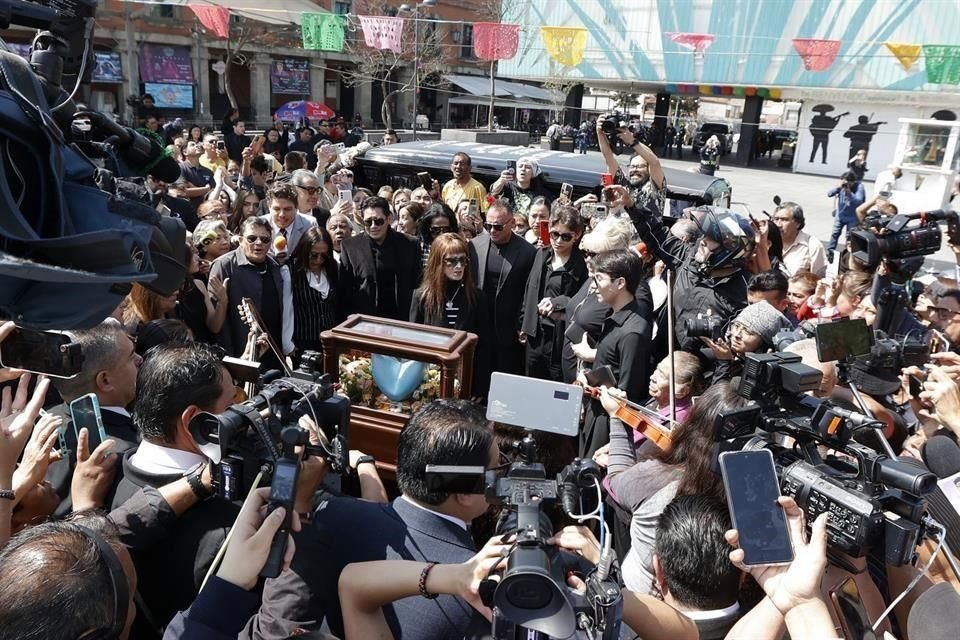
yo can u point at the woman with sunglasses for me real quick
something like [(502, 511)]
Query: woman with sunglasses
[(313, 284), (448, 296), (558, 272), (438, 219)]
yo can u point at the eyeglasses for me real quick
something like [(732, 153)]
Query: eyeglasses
[(943, 311), (374, 222), (310, 190), (254, 239), (493, 227), (588, 254), (455, 261), (438, 230), (556, 235)]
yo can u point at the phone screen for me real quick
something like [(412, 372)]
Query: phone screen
[(841, 338), (752, 491), (46, 352), (606, 179), (566, 190), (85, 412), (283, 489)]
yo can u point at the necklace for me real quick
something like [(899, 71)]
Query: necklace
[(454, 297)]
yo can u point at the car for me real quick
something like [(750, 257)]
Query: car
[(397, 165), (719, 129)]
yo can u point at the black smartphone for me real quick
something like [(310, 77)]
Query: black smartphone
[(283, 493), (601, 377), (752, 489), (425, 180), (851, 611), (842, 338), (512, 166), (48, 352), (85, 412), (221, 145)]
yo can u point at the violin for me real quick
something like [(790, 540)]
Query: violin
[(638, 417)]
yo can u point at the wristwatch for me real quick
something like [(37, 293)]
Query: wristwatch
[(365, 459), (9, 494), (196, 484)]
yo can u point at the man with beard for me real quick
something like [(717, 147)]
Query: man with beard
[(645, 179)]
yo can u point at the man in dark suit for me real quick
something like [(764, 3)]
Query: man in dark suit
[(421, 525), (502, 261), (380, 268), (109, 371)]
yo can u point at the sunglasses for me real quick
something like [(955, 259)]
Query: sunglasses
[(254, 239), (556, 235), (310, 190), (374, 222), (438, 230), (493, 227), (455, 261), (942, 311)]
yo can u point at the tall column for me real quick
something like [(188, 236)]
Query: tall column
[(131, 66), (260, 87), (202, 74), (660, 117), (318, 86), (363, 96), (572, 106), (749, 125)]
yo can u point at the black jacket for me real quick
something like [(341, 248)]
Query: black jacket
[(245, 282), (574, 276), (471, 317), (518, 256), (358, 273), (693, 293)]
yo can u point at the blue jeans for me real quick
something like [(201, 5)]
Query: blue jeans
[(839, 224)]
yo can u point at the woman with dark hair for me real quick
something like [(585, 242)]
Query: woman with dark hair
[(558, 272), (438, 219), (201, 303), (448, 295), (409, 215), (195, 134), (313, 285), (768, 247), (246, 205), (275, 144), (660, 475)]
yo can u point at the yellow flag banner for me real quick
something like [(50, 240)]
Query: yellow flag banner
[(906, 54), (565, 44)]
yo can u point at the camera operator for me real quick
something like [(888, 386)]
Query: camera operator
[(421, 524), (849, 195), (709, 274), (645, 179), (945, 316), (751, 331)]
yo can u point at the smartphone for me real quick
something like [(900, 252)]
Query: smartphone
[(599, 211), (750, 480), (221, 145), (345, 195), (340, 147), (938, 342), (456, 479), (425, 180), (842, 338), (85, 412), (566, 191), (48, 352), (850, 609), (602, 377), (474, 208), (543, 231), (283, 492), (512, 166), (606, 179)]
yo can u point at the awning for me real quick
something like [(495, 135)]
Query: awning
[(480, 86), (510, 104), (476, 85)]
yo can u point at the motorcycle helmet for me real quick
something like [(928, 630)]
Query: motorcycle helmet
[(728, 229)]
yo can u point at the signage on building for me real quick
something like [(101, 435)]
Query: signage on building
[(107, 67), (170, 96), (290, 76), (165, 64)]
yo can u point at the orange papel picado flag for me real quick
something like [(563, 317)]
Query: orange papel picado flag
[(907, 54), (565, 44)]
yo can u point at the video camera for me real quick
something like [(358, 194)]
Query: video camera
[(249, 437), (874, 501), (902, 236), (611, 124), (706, 326), (532, 594)]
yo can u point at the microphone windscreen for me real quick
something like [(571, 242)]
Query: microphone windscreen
[(942, 456), (936, 614), (167, 169)]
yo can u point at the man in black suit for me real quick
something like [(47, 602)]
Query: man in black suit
[(109, 371), (502, 261), (421, 525), (380, 268)]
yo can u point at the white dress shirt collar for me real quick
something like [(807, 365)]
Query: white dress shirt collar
[(159, 460), (457, 521)]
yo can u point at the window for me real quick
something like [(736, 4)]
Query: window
[(162, 11), (341, 7), (466, 41)]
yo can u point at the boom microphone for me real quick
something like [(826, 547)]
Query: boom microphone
[(936, 614), (140, 152), (942, 456)]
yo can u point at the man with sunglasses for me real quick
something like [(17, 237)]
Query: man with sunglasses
[(309, 190), (502, 261), (945, 316), (379, 268)]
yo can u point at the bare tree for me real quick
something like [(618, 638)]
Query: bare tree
[(385, 66), (625, 100)]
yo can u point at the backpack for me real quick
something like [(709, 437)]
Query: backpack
[(69, 251)]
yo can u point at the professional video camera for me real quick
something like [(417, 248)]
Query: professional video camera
[(902, 236), (532, 594), (874, 500), (611, 124), (248, 438)]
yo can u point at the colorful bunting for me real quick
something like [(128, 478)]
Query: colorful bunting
[(322, 31), (565, 45), (382, 32), (216, 19), (942, 62), (495, 41), (696, 42), (817, 55), (907, 54)]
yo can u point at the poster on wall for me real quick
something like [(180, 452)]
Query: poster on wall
[(170, 65), (290, 76), (832, 133), (170, 96), (107, 67)]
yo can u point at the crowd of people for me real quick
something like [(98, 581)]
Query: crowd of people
[(126, 539)]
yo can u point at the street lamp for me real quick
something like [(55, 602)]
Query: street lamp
[(415, 10)]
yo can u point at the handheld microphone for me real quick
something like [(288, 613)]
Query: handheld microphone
[(942, 457), (936, 613)]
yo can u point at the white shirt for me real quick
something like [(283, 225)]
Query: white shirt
[(457, 521), (119, 410), (712, 614), (806, 253), (158, 460)]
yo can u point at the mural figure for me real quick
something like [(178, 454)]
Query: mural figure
[(821, 126), (862, 133)]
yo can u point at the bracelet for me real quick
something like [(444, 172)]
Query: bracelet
[(422, 587), (8, 494), (196, 484)]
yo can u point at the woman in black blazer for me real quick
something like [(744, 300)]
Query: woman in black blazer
[(558, 272), (313, 288)]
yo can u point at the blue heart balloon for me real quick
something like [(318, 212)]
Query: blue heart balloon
[(395, 377)]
